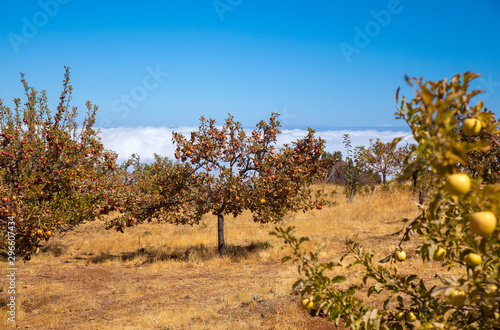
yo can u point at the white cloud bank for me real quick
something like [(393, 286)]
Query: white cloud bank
[(146, 141)]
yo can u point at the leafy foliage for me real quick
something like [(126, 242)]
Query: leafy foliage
[(435, 116), (52, 172)]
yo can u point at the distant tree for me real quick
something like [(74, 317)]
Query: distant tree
[(331, 161), (387, 159), (418, 173), (352, 169)]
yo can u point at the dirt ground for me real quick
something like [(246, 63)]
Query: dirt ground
[(121, 296)]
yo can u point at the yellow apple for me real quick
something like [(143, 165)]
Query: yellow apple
[(457, 298), (306, 303), (410, 317), (473, 259), (432, 325), (400, 316), (483, 223), (439, 254), (458, 184), (400, 255), (471, 126)]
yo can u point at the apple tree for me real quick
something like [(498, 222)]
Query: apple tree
[(383, 158), (241, 171), (52, 171), (457, 228), (224, 171)]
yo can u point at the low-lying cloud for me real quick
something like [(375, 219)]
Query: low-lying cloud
[(146, 141)]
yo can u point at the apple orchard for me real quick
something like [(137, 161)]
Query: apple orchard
[(55, 174)]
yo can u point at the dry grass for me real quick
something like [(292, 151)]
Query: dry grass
[(158, 276)]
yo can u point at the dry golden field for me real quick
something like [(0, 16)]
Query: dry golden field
[(159, 276)]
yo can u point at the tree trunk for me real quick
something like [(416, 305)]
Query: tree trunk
[(351, 195), (415, 180), (330, 175), (384, 175), (220, 227), (415, 187)]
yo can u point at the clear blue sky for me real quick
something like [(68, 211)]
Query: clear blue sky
[(245, 57)]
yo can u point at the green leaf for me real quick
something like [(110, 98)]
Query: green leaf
[(352, 290), (411, 278), (338, 279), (386, 259), (303, 239), (397, 140), (422, 285)]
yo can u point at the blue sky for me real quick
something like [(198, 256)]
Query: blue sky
[(166, 63)]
